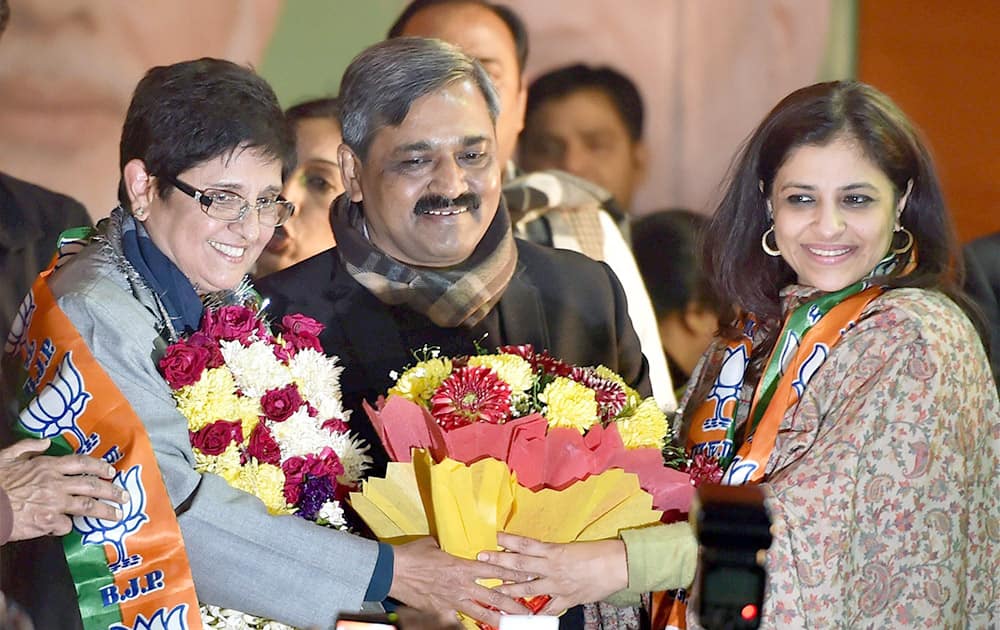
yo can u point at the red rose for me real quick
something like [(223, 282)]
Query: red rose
[(301, 332), (235, 323), (280, 404), (182, 364), (202, 340), (326, 464), (283, 353), (212, 439), (263, 446), (335, 425), (300, 324)]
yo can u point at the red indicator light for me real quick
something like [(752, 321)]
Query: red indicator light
[(749, 612)]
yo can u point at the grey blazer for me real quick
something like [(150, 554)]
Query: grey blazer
[(280, 567)]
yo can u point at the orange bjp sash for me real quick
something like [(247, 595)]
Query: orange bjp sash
[(132, 574)]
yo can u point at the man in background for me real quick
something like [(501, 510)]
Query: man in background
[(550, 208), (588, 122)]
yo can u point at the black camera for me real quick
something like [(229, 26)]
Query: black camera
[(734, 532)]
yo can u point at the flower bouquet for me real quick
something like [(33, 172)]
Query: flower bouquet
[(521, 442), (264, 414)]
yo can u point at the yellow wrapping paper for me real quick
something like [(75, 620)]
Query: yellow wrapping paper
[(464, 506)]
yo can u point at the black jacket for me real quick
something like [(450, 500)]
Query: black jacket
[(31, 219), (557, 300)]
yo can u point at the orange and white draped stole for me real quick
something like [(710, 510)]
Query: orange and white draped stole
[(130, 574)]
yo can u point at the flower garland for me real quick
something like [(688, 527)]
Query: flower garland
[(264, 413)]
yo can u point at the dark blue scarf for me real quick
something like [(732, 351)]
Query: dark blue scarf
[(162, 276)]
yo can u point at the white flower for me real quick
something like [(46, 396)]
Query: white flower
[(254, 367), (353, 454), (318, 378), (216, 618), (300, 435), (332, 513)]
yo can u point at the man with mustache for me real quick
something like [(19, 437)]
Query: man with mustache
[(426, 258), (425, 254)]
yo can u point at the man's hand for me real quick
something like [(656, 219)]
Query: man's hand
[(571, 573), (427, 578), (45, 491)]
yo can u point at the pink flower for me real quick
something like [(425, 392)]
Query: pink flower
[(704, 470), (300, 324), (182, 364), (231, 323), (335, 425), (471, 394), (263, 446), (280, 404), (212, 439), (301, 332), (283, 353), (326, 464)]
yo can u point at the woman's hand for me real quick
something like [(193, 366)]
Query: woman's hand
[(571, 573), (45, 491), (430, 579)]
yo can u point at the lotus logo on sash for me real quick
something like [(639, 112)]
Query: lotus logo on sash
[(176, 619), (55, 409), (16, 336), (727, 387), (97, 531)]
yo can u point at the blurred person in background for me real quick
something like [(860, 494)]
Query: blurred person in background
[(69, 68), (312, 187), (666, 247), (587, 121), (31, 219)]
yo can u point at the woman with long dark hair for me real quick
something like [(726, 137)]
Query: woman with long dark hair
[(852, 386)]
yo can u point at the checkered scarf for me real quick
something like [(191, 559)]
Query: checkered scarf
[(569, 204), (449, 297)]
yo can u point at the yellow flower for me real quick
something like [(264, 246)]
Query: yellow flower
[(511, 369), (266, 482), (418, 383), (569, 404), (213, 398), (226, 464), (644, 427)]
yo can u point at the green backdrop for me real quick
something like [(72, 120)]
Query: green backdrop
[(316, 39)]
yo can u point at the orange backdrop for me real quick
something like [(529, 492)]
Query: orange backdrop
[(940, 61)]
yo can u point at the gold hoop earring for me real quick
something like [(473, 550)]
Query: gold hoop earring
[(767, 248), (909, 242)]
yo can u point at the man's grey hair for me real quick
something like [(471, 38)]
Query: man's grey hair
[(382, 83)]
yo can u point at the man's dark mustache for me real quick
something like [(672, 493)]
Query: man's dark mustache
[(427, 203)]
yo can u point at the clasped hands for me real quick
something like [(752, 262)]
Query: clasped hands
[(570, 574)]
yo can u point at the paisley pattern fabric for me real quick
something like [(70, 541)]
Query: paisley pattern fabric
[(883, 484)]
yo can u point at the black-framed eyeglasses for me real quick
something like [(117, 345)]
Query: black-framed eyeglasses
[(229, 207)]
